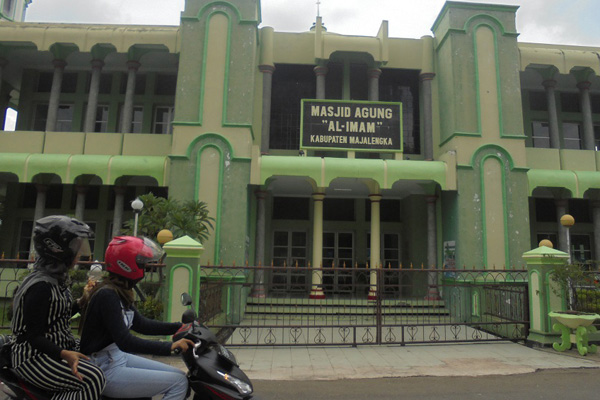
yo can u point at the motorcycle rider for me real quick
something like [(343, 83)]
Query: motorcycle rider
[(109, 314), (45, 352)]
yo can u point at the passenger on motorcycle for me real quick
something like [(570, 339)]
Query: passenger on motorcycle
[(109, 314), (45, 352)]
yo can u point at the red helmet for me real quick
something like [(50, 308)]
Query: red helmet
[(127, 256)]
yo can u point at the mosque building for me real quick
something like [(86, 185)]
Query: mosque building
[(463, 148)]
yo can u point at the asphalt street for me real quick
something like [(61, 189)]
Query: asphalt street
[(547, 385)]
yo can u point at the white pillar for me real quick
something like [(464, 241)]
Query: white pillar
[(589, 141), (563, 232), (373, 75), (118, 213), (549, 85), (317, 256), (596, 219), (258, 290), (427, 115), (40, 206), (375, 260), (90, 116), (132, 68), (80, 203), (432, 277), (321, 73), (267, 75), (54, 102)]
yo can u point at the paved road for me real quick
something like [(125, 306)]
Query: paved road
[(546, 385)]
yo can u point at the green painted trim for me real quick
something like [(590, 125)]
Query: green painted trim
[(520, 137), (323, 171), (61, 51), (11, 19), (587, 180), (219, 3), (495, 148), (206, 136), (488, 17), (448, 33), (504, 206), (478, 80), (553, 178), (68, 167), (202, 91), (217, 217), (471, 6), (240, 125), (459, 134), (227, 66), (190, 286), (185, 123), (101, 50)]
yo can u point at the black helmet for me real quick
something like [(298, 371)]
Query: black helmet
[(61, 238)]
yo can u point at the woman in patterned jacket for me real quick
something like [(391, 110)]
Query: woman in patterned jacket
[(45, 352)]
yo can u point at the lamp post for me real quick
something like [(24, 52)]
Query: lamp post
[(568, 221), (137, 206)]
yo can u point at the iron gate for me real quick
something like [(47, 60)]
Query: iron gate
[(406, 306)]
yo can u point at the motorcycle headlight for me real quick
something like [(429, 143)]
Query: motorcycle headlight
[(242, 387), (226, 354)]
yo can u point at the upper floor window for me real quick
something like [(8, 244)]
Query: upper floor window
[(64, 118), (569, 102), (165, 85), (101, 124), (572, 135), (291, 84), (538, 101), (137, 119), (140, 84), (163, 117), (400, 85), (540, 132), (595, 100)]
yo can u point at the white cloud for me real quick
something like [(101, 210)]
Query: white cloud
[(546, 21)]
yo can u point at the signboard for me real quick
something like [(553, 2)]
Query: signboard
[(351, 125)]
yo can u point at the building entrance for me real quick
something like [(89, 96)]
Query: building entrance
[(338, 260), (290, 273)]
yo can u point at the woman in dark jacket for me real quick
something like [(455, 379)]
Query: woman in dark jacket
[(45, 352), (108, 316)]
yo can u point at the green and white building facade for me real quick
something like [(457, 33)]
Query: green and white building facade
[(310, 148)]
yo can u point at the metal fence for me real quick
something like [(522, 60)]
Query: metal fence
[(272, 306), (13, 271)]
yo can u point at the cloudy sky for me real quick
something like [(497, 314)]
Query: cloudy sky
[(572, 22)]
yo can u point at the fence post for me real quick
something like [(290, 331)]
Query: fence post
[(183, 274), (543, 297)]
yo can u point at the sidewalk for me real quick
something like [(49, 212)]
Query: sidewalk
[(331, 363)]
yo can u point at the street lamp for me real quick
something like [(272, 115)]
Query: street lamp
[(137, 206), (568, 221)]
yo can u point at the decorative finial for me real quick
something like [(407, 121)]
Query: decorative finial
[(318, 8)]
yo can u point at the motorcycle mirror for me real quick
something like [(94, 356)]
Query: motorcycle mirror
[(188, 316), (186, 299)]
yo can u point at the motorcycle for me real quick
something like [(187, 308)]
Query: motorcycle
[(213, 371)]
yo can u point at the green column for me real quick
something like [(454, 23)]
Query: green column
[(544, 295), (183, 274)]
